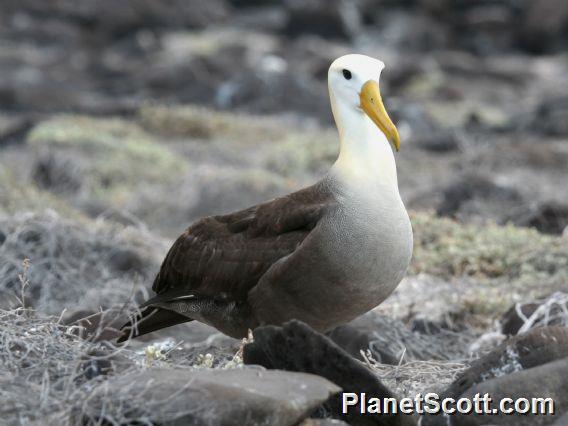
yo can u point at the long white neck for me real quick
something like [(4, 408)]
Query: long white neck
[(365, 156)]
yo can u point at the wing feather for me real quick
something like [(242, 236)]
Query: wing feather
[(225, 256)]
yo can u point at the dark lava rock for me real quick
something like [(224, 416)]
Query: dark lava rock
[(96, 367), (425, 326), (551, 116), (511, 321), (401, 73), (326, 18), (253, 3), (105, 44), (194, 79), (126, 260), (470, 189), (486, 27), (108, 16), (373, 332), (14, 130), (545, 381), (544, 25), (425, 133), (103, 361), (2, 237), (547, 311), (270, 18), (536, 347), (548, 218), (413, 30), (354, 340), (296, 347), (440, 142), (96, 326), (212, 397), (57, 174), (519, 362), (388, 340), (266, 92)]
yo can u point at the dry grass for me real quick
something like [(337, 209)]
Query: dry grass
[(49, 375), (409, 379), (45, 368), (73, 264), (408, 345)]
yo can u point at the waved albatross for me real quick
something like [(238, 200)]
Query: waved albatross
[(324, 255)]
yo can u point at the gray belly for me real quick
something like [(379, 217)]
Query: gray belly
[(368, 258), (348, 265)]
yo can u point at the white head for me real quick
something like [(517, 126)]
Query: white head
[(364, 125)]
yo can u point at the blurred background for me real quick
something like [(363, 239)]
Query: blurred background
[(146, 115), (123, 121)]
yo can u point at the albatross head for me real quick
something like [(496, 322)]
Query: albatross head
[(355, 97)]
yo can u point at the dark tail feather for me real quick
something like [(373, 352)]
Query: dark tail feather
[(150, 319)]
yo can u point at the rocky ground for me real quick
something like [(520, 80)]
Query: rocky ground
[(122, 123)]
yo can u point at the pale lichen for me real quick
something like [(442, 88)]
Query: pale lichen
[(113, 155), (445, 247)]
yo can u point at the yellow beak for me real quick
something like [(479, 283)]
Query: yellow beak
[(372, 104)]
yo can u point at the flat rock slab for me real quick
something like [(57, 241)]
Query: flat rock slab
[(210, 397)]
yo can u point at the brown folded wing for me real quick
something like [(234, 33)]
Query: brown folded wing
[(225, 256)]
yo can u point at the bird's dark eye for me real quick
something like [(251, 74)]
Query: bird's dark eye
[(347, 74)]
